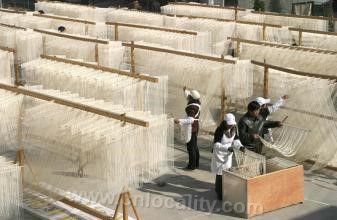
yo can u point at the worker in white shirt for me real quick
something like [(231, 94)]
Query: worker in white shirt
[(268, 108), (225, 139), (190, 126)]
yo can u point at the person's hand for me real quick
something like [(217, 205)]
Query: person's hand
[(279, 124), (176, 121), (184, 88), (242, 149), (230, 149), (255, 136), (285, 97)]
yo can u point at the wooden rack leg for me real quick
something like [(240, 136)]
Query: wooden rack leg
[(133, 206), (125, 207), (126, 197), (133, 68), (117, 207), (265, 81)]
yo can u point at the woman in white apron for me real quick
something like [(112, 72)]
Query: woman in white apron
[(225, 139)]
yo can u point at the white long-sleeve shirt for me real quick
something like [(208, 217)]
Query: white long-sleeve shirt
[(276, 105), (222, 158), (186, 124)]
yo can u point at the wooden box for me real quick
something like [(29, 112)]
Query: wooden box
[(281, 186)]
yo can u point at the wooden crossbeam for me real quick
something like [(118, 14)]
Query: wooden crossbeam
[(72, 37), (206, 6), (283, 46), (12, 11), (313, 31), (177, 52), (87, 108), (294, 72), (294, 16), (105, 69), (12, 26), (8, 49), (152, 28), (64, 18)]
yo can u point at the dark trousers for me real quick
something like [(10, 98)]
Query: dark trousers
[(218, 186), (193, 152)]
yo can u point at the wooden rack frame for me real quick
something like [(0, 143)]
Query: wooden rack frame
[(12, 26), (16, 65), (301, 31), (87, 108), (86, 39), (294, 16), (12, 11), (64, 18), (277, 45), (118, 24), (105, 69), (294, 72), (207, 6), (177, 52)]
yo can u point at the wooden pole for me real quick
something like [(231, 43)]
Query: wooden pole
[(133, 68), (299, 36), (133, 206), (264, 31), (236, 13), (223, 99), (269, 44), (178, 31), (265, 81), (96, 54), (181, 53), (125, 207), (117, 206), (83, 107), (116, 31), (238, 48)]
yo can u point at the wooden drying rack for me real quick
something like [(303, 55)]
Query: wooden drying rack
[(20, 156), (187, 54), (87, 108), (16, 64), (118, 24), (295, 16), (86, 39), (12, 11), (207, 6), (240, 40), (105, 69)]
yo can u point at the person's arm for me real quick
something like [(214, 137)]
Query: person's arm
[(237, 144), (272, 124), (277, 104), (220, 147), (186, 92), (185, 121)]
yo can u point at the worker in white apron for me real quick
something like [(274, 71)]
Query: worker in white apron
[(225, 139)]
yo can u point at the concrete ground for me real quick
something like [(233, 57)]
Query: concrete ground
[(190, 195)]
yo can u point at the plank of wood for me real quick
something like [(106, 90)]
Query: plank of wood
[(275, 190)]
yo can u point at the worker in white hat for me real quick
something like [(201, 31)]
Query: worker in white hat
[(225, 139), (191, 127), (268, 108)]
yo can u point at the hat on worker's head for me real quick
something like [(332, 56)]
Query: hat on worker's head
[(262, 101), (230, 119), (195, 94)]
